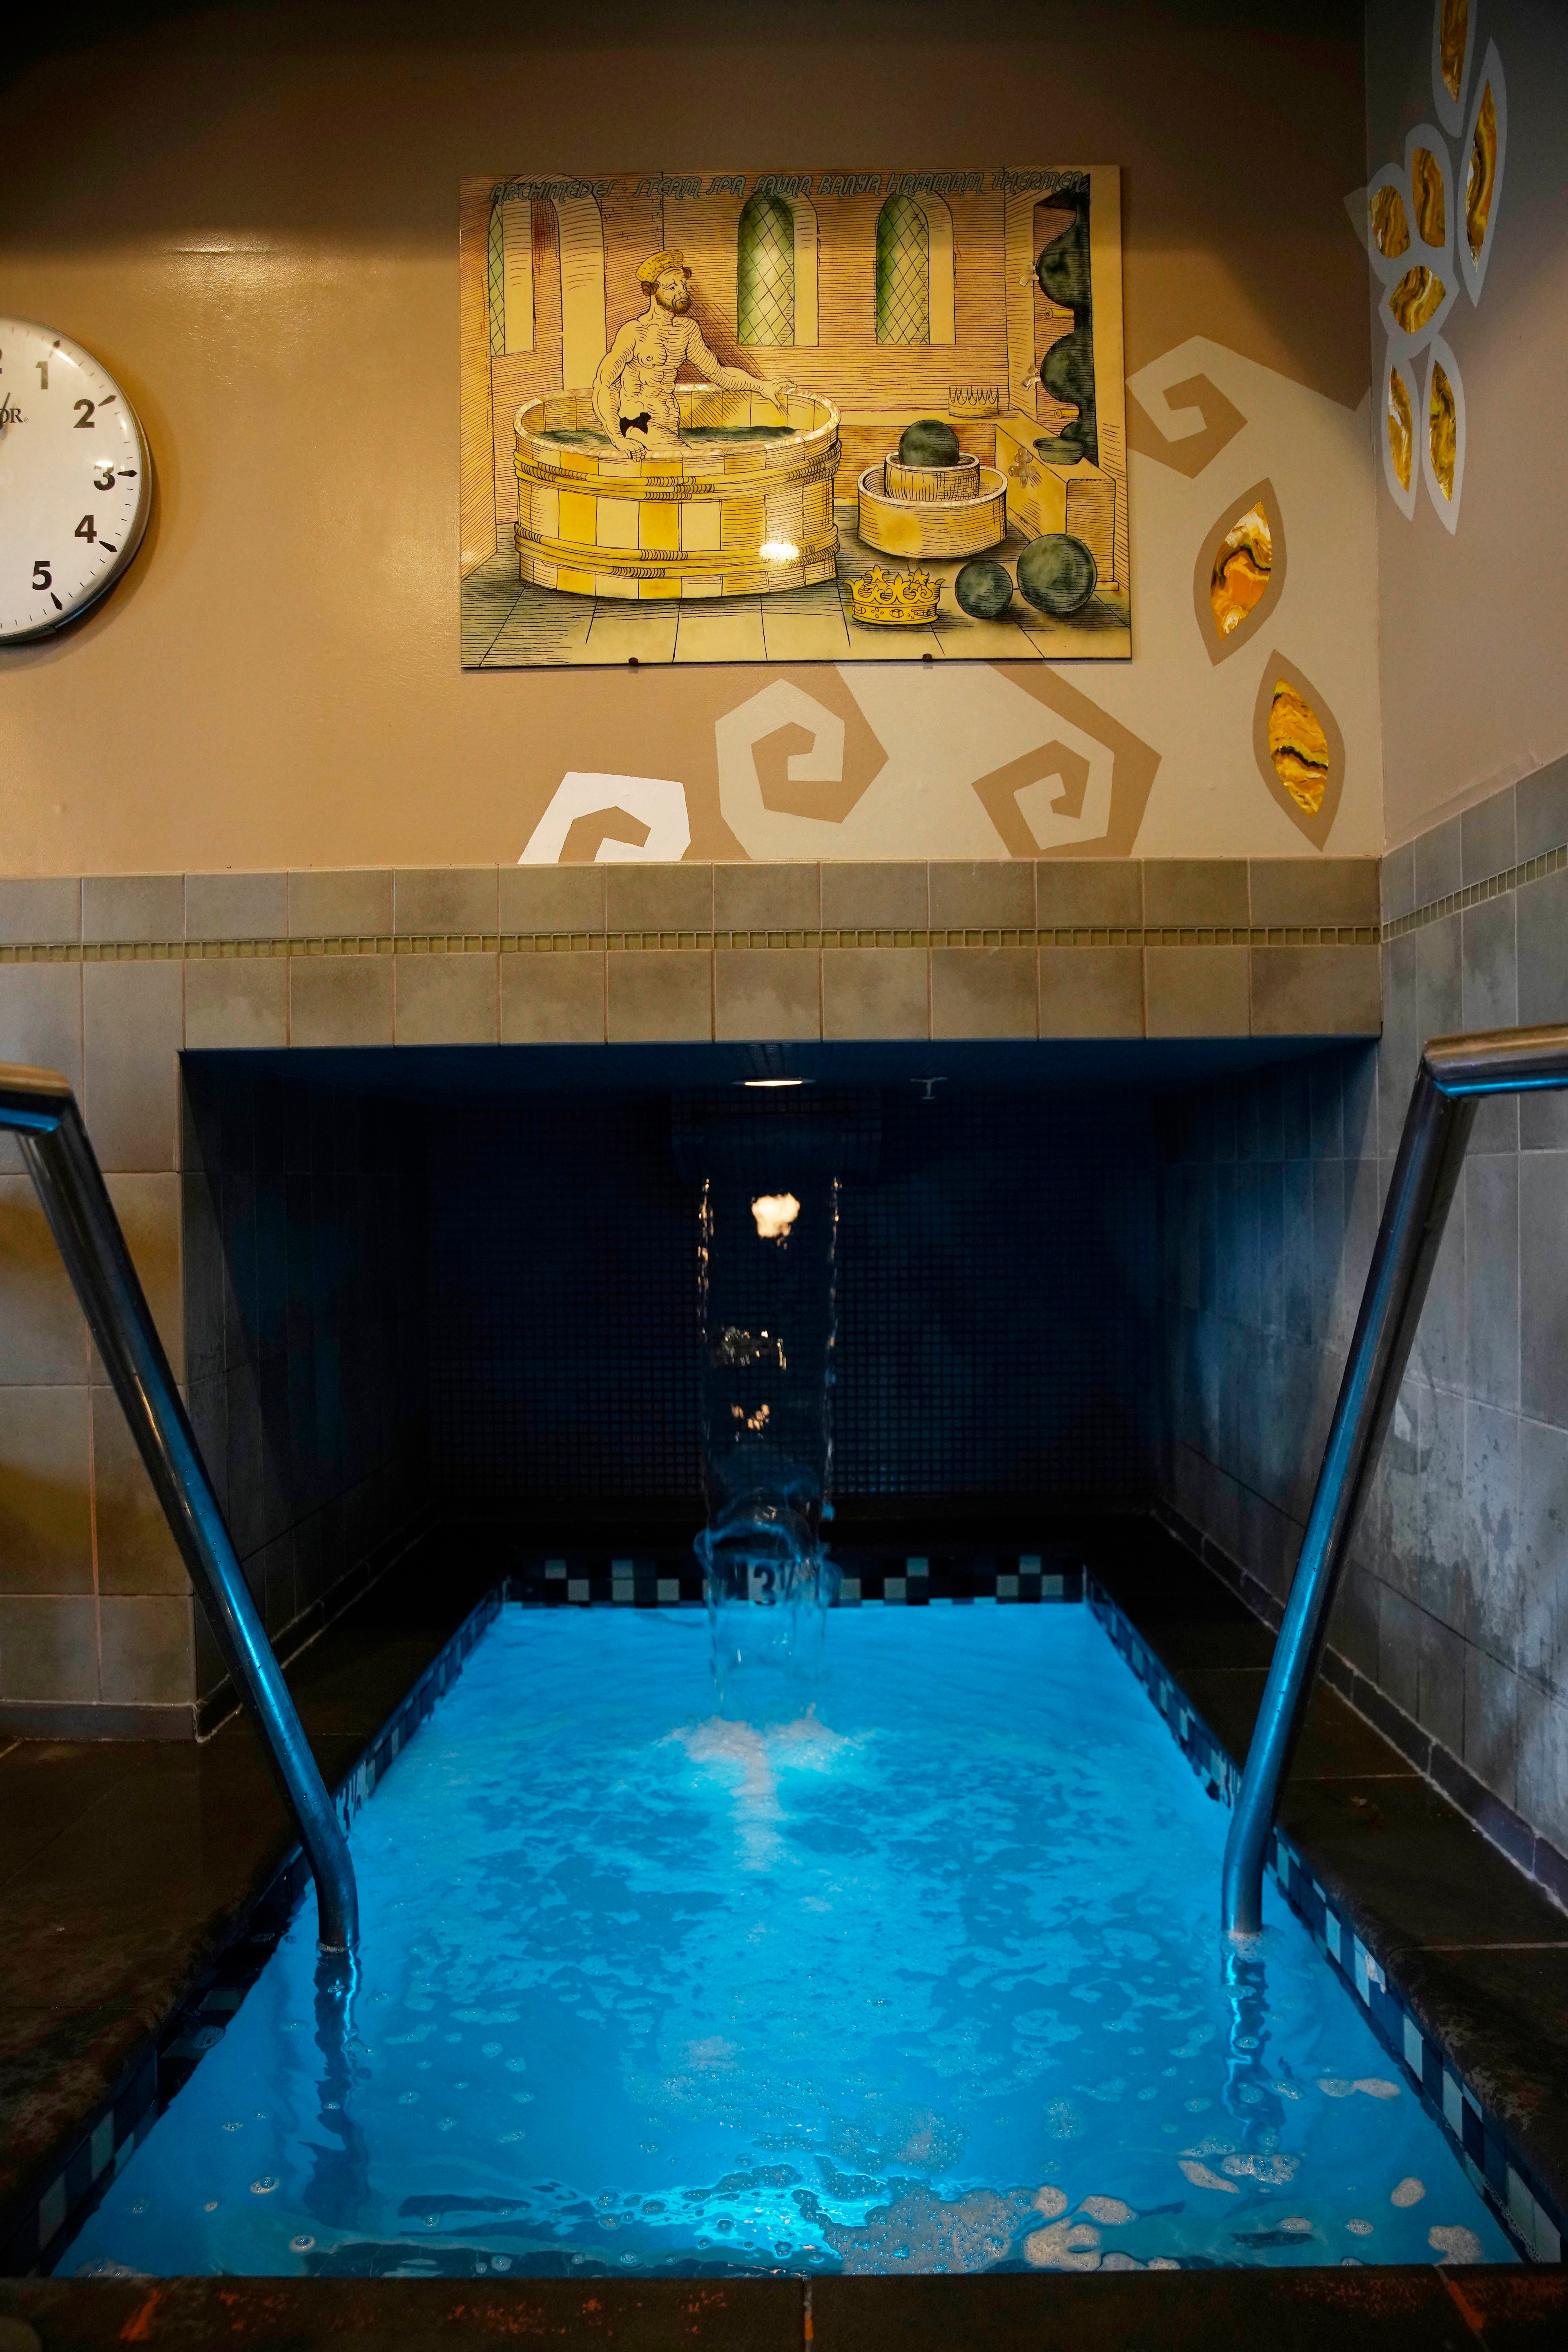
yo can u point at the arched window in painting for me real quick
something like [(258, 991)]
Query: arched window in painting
[(764, 272), (902, 273)]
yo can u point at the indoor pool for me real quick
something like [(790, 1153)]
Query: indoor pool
[(918, 1969)]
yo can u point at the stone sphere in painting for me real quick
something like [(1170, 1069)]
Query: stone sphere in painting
[(984, 589), (1057, 573), (928, 442)]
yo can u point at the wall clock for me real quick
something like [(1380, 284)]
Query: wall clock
[(75, 482)]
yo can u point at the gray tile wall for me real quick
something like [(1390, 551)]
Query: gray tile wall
[(1455, 1607)]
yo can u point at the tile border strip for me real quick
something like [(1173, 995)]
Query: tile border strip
[(702, 943), (123, 2120), (1475, 894), (1495, 2167)]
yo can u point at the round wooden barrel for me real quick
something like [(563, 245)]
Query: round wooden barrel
[(932, 526), (745, 507), (959, 480)]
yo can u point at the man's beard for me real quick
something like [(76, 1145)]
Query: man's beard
[(681, 301)]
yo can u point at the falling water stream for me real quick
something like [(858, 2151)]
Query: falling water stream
[(766, 1308)]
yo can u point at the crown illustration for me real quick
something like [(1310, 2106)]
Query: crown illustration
[(894, 600)]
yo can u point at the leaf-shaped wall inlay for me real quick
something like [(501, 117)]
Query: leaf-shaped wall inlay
[(1241, 570), (1390, 229), (1442, 429), (1401, 427), (1416, 299), (1298, 746), (1299, 749), (1480, 181), (1238, 579), (1426, 197), (1453, 37)]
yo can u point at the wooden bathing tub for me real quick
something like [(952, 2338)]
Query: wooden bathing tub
[(744, 507)]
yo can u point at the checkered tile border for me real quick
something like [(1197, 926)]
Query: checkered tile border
[(1481, 2140), (162, 2069)]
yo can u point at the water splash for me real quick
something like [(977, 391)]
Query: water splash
[(767, 1312)]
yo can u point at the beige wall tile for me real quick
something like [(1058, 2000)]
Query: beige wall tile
[(146, 1651), (447, 1000), (662, 995), (121, 907), (1316, 993), (982, 893), (767, 993), (136, 1552), (43, 1337), (552, 999), (40, 1026), (236, 1001), (1195, 890), (552, 899), (868, 897), (765, 897), (45, 1528), (1308, 890), (149, 1208), (982, 991), (42, 913), (49, 1648), (658, 897), (874, 992), (236, 906), (340, 1000), (1090, 992), (132, 1024), (345, 903), (1196, 993), (1098, 893), (444, 900)]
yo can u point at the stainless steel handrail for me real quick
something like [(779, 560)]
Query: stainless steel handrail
[(1455, 1073), (40, 1107)]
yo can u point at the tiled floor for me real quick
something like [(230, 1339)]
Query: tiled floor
[(124, 1868)]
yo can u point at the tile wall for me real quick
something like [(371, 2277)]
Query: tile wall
[(112, 980), (1453, 1629)]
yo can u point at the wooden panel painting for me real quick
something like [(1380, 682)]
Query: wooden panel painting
[(809, 415)]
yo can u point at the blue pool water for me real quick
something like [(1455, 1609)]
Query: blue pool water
[(920, 1971)]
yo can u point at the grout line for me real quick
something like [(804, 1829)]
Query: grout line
[(1562, 1947)]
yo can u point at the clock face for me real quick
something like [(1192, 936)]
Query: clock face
[(74, 480)]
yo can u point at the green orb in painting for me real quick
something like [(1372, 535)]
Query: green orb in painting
[(1057, 573), (984, 590), (928, 442)]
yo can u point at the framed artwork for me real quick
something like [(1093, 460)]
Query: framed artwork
[(806, 416)]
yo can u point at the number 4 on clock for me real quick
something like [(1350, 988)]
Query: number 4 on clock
[(86, 530)]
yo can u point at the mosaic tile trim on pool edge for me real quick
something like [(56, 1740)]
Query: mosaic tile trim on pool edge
[(1495, 2167), (1493, 2163), (151, 2081)]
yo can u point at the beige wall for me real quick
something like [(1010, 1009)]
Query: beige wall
[(259, 236), (1474, 685)]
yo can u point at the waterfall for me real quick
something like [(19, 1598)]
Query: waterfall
[(767, 1309)]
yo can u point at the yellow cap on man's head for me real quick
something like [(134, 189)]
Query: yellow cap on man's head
[(654, 268)]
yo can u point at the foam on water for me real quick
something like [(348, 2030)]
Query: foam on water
[(928, 1978)]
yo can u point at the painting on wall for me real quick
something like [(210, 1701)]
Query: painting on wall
[(804, 416)]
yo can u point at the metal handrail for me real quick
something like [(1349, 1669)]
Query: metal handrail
[(1455, 1073), (40, 1107)]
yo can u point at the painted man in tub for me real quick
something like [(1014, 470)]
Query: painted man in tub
[(635, 386)]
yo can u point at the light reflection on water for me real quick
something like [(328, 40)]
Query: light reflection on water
[(925, 1976)]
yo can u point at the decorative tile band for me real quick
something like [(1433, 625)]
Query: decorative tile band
[(1060, 935), (1493, 2163), (158, 2072), (1496, 886)]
